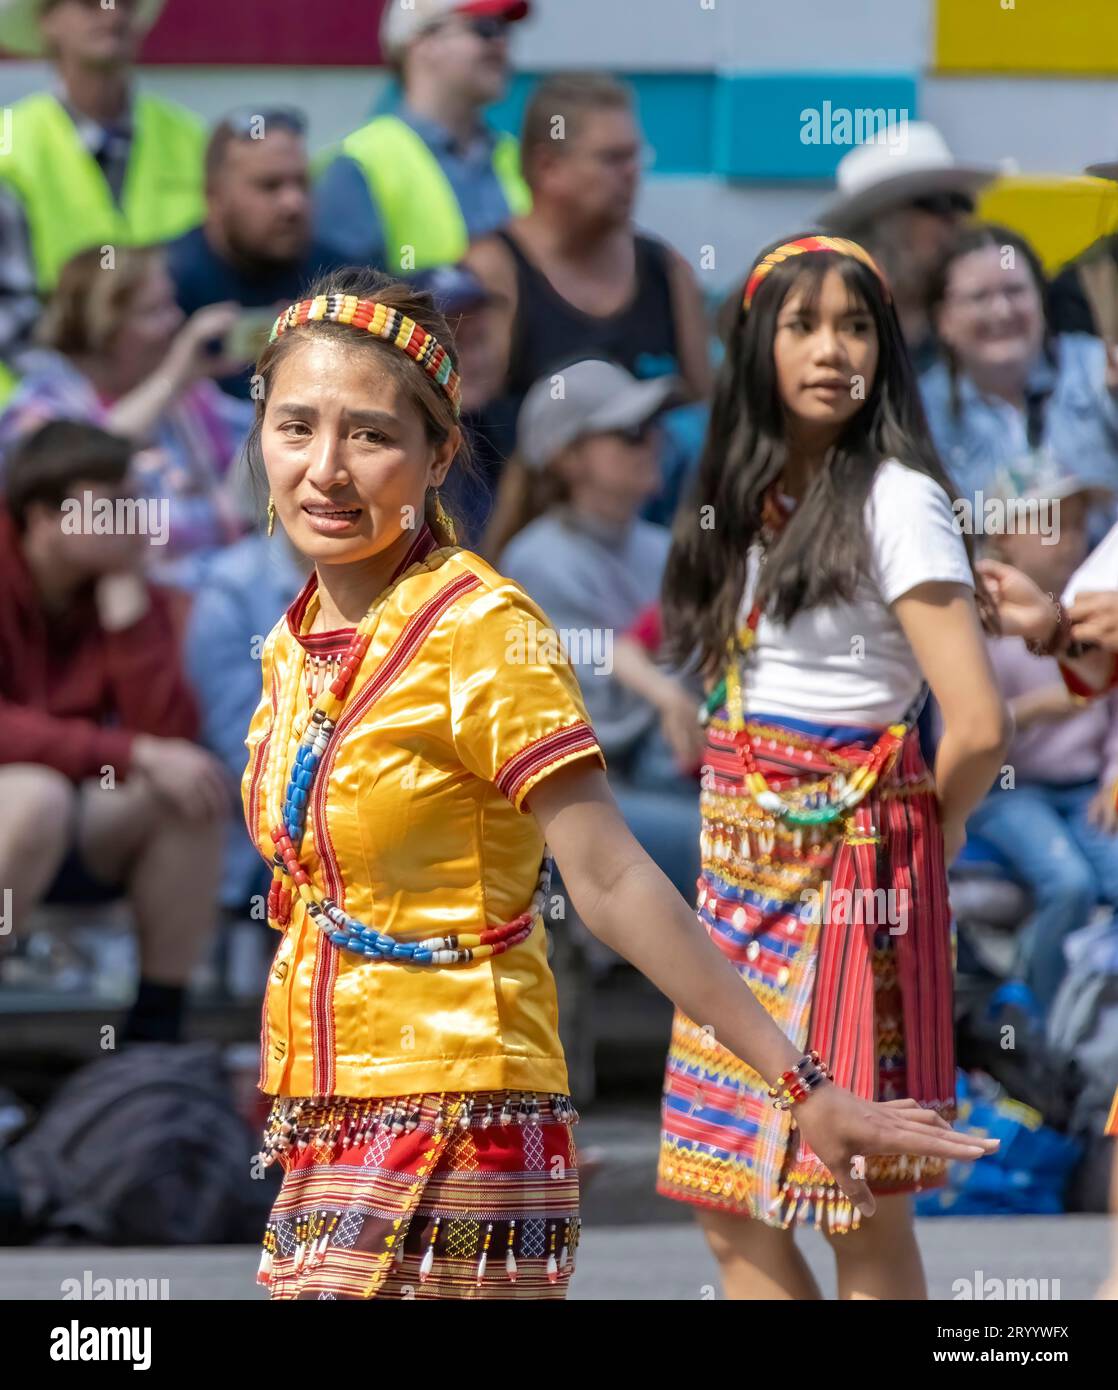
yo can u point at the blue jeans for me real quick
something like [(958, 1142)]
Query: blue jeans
[(661, 807), (1068, 865)]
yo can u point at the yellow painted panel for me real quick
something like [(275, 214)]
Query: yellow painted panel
[(1027, 36), (1060, 215)]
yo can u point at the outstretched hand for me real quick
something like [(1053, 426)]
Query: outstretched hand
[(841, 1129), (1024, 609)]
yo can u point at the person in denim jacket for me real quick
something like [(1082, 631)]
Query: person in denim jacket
[(1007, 388)]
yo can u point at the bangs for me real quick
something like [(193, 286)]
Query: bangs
[(806, 275)]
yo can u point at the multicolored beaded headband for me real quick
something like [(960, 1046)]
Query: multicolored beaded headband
[(806, 244), (381, 321)]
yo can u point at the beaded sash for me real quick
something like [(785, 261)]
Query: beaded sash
[(316, 729)]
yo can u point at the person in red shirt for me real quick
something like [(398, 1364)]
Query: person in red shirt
[(106, 795)]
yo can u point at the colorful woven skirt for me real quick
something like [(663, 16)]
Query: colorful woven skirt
[(451, 1196), (844, 934)]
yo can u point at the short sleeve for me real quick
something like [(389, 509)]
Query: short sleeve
[(913, 534), (516, 708)]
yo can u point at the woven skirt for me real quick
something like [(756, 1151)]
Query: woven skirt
[(844, 935), (451, 1196)]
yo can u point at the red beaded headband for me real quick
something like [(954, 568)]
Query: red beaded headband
[(807, 244), (381, 321)]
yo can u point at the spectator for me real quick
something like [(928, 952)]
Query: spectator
[(243, 593), (472, 312), (255, 246), (1083, 297), (1055, 823), (573, 276), (1007, 387), (89, 163), (410, 188), (118, 354), (112, 798), (903, 197), (594, 566)]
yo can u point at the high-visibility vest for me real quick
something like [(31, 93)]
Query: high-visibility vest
[(8, 383), (420, 217), (69, 205)]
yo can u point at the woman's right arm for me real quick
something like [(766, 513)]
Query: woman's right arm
[(941, 623)]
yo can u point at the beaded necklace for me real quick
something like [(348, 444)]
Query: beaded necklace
[(289, 794), (844, 792)]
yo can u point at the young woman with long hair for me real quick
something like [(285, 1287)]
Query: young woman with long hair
[(818, 579), (418, 743)]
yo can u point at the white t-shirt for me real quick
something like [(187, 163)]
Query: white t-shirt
[(850, 663), (1099, 572)]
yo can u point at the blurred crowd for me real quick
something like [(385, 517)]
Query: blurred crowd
[(142, 262)]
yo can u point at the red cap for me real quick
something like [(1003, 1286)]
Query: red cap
[(512, 10)]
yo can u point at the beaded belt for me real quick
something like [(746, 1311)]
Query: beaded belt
[(332, 1126)]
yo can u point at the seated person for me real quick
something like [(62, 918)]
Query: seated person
[(593, 565), (1052, 814), (1008, 387), (117, 352), (245, 590), (107, 796), (256, 247)]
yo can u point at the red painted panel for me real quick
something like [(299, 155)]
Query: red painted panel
[(314, 32)]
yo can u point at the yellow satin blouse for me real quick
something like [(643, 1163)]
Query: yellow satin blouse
[(417, 824)]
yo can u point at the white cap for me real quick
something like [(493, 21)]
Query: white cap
[(404, 20), (597, 396), (880, 175), (19, 23)]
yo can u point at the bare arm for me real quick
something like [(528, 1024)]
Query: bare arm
[(625, 900), (1026, 611), (942, 627)]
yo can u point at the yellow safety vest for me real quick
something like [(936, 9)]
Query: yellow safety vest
[(421, 220), (8, 383), (67, 202)]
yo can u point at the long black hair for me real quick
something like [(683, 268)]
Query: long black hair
[(822, 552)]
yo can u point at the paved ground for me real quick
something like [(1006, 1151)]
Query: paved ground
[(635, 1262)]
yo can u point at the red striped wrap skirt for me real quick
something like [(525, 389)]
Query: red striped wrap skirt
[(451, 1196), (844, 934)]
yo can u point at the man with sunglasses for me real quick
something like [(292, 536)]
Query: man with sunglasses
[(904, 199), (411, 189), (255, 247), (89, 162)]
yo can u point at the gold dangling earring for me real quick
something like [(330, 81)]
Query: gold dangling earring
[(442, 516), (271, 514)]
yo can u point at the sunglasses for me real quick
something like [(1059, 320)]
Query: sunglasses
[(248, 123), (482, 26), (945, 204)]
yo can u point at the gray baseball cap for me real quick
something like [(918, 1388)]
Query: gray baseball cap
[(589, 397)]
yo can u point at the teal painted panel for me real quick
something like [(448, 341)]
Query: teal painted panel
[(797, 126), (772, 127)]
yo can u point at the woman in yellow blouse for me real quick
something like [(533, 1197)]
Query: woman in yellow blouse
[(419, 738)]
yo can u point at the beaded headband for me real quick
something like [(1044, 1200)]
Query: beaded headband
[(807, 244), (382, 322)]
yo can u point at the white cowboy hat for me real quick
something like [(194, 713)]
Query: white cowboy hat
[(880, 175), (19, 24)]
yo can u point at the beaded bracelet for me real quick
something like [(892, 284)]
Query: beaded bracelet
[(797, 1083), (1052, 644)]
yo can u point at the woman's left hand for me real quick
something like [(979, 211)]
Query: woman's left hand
[(1023, 608), (844, 1131)]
